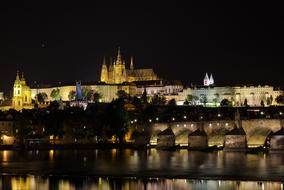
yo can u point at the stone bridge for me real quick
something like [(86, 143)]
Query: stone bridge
[(256, 130)]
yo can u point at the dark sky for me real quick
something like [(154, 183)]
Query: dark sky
[(238, 43)]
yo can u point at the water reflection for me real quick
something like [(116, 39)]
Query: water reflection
[(144, 163), (40, 183)]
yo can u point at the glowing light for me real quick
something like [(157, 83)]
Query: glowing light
[(150, 120), (173, 119), (51, 154), (280, 113), (157, 119), (184, 117), (219, 115), (227, 124), (210, 124)]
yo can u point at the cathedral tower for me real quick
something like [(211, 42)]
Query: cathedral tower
[(119, 69), (104, 72)]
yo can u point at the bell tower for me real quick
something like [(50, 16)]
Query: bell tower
[(17, 92)]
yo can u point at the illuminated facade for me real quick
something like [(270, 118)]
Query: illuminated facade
[(21, 94), (117, 72), (240, 95)]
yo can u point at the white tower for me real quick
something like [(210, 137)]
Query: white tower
[(206, 81), (211, 80)]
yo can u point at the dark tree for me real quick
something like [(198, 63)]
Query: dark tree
[(280, 99), (262, 103), (225, 103), (245, 102), (41, 97), (172, 102), (97, 97), (121, 94), (71, 95), (158, 100)]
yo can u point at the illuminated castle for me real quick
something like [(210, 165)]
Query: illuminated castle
[(21, 93), (117, 72)]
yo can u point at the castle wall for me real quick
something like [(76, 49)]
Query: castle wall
[(237, 94)]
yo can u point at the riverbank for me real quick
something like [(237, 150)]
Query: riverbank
[(106, 146)]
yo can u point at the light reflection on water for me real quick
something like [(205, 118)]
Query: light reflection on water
[(41, 183), (142, 164)]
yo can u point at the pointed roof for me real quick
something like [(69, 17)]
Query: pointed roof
[(236, 131), (279, 132), (211, 80), (206, 76), (167, 132), (198, 132), (17, 76)]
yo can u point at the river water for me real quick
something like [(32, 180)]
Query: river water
[(131, 169)]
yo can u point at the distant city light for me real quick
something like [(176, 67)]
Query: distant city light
[(262, 113), (157, 119), (184, 117), (173, 119)]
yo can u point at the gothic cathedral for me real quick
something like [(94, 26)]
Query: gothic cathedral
[(117, 72)]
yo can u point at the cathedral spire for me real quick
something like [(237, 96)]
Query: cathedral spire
[(131, 64), (118, 59)]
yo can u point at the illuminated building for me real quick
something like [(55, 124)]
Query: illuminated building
[(239, 95), (21, 93), (117, 72)]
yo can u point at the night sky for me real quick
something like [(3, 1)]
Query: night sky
[(238, 43)]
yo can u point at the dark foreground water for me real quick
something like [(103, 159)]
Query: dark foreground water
[(130, 169)]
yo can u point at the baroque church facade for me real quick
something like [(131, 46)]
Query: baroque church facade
[(117, 73), (21, 93)]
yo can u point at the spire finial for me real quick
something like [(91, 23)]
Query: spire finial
[(17, 75), (22, 78), (118, 59), (131, 63), (104, 61)]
